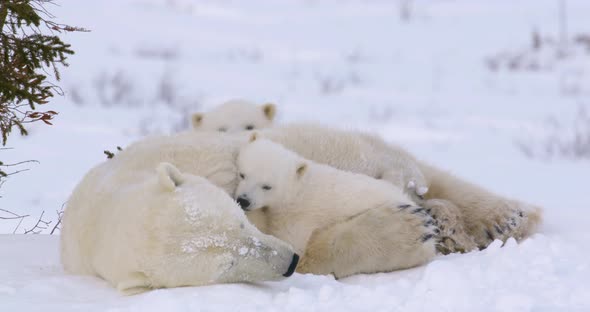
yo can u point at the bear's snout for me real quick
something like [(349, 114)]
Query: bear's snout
[(243, 202), (292, 266)]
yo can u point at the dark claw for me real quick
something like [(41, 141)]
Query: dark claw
[(426, 237), (498, 229), (443, 249), (419, 210), (489, 234), (404, 206)]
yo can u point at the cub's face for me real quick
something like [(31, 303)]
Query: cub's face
[(235, 116), (268, 174)]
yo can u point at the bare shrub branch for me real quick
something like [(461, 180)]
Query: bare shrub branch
[(57, 225), (39, 226)]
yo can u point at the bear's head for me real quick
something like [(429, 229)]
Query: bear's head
[(199, 235), (235, 116), (268, 173)]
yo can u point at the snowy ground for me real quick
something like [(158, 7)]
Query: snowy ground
[(426, 84), (545, 273)]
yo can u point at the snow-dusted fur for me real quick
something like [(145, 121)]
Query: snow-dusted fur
[(468, 215), (141, 228), (359, 224), (234, 116)]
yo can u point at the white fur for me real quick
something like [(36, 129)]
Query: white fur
[(141, 228), (480, 215), (352, 151), (296, 197), (235, 116)]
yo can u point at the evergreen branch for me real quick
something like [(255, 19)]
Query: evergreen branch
[(27, 58), (3, 14)]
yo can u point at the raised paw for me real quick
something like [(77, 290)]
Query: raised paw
[(411, 181), (418, 190)]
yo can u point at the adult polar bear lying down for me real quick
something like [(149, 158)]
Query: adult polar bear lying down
[(140, 228), (94, 208)]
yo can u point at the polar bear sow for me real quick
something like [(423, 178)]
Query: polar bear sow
[(294, 199), (162, 228), (234, 116)]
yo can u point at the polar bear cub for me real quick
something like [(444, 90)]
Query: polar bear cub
[(234, 116), (294, 199), (167, 229)]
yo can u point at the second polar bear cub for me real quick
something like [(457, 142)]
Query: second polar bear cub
[(234, 116), (293, 199)]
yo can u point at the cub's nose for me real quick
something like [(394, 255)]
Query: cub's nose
[(243, 202)]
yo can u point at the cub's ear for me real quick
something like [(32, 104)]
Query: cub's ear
[(301, 169), (269, 110), (253, 137), (169, 176), (196, 120)]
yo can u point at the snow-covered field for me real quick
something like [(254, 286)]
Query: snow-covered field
[(458, 84)]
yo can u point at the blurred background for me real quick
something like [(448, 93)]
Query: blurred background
[(497, 92)]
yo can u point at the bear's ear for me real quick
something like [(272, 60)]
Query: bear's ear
[(269, 110), (301, 169), (196, 120), (253, 137), (169, 176)]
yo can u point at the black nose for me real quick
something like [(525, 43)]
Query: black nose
[(243, 202), (292, 266)]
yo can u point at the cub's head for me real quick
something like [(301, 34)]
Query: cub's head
[(202, 236), (268, 173), (235, 116)]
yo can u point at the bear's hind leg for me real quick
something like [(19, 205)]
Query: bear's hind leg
[(487, 216)]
